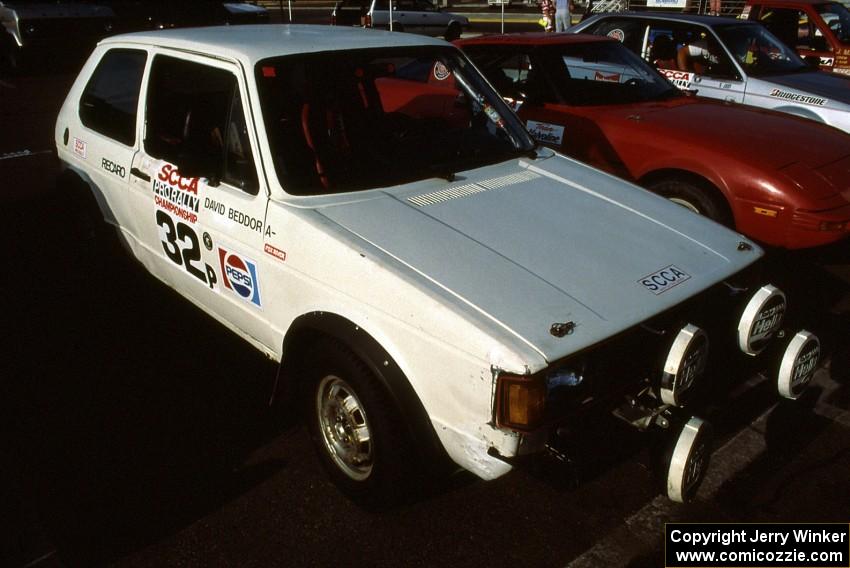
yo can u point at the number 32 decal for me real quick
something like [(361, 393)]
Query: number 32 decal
[(180, 244)]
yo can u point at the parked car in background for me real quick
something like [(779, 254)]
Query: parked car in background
[(819, 30), (731, 60), (30, 30), (362, 207), (412, 16), (591, 98), (141, 15)]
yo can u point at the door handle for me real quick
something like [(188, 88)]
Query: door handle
[(139, 174)]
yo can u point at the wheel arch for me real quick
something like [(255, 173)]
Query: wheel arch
[(718, 191), (313, 326)]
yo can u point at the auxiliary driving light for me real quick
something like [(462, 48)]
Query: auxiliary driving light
[(689, 460), (799, 364), (685, 364), (761, 319)]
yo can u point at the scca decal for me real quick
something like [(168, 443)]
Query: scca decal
[(240, 276), (662, 280)]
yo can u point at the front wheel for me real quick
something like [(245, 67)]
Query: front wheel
[(700, 200), (356, 428)]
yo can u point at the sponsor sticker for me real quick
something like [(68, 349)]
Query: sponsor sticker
[(797, 97), (681, 79), (113, 168), (441, 72), (617, 34), (607, 77), (80, 148), (275, 252), (545, 132), (239, 275), (176, 194), (662, 280)]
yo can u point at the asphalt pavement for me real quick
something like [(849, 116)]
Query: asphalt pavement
[(135, 430)]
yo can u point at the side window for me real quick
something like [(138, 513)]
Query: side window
[(690, 48), (628, 32), (195, 121), (794, 28), (515, 77), (109, 102)]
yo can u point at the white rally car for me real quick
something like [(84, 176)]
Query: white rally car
[(737, 61), (362, 207)]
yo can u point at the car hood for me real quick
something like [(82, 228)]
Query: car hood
[(528, 243), (695, 125), (830, 86)]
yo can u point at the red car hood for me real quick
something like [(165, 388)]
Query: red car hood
[(772, 139)]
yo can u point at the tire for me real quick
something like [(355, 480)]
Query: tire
[(356, 429), (89, 235), (698, 199), (453, 32)]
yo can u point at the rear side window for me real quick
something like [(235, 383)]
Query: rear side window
[(629, 32), (111, 97)]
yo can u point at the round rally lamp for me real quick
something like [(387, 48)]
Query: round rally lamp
[(799, 364), (684, 365), (761, 319), (689, 460)]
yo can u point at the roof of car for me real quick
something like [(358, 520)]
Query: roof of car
[(251, 43), (679, 17), (532, 38)]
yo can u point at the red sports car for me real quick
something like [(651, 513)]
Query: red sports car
[(782, 180)]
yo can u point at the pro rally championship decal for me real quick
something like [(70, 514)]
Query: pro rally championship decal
[(176, 194)]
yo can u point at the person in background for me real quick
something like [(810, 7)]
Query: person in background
[(714, 7), (562, 15), (548, 9)]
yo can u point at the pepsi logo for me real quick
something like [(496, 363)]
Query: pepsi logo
[(240, 276)]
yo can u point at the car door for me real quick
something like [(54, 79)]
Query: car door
[(105, 139), (198, 194)]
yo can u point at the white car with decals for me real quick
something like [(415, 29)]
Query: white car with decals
[(743, 62), (362, 207)]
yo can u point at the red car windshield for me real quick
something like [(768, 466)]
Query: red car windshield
[(354, 120), (837, 17)]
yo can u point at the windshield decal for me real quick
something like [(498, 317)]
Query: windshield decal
[(807, 99), (545, 132)]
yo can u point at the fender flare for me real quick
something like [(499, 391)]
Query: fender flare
[(378, 361), (801, 112)]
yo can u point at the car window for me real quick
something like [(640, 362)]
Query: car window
[(195, 121), (837, 17), (794, 27), (629, 32), (759, 52), (111, 98), (347, 121), (690, 49)]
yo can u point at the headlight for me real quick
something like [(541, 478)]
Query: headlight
[(684, 365), (799, 364), (761, 319)]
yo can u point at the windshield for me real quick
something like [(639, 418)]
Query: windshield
[(837, 17), (604, 73), (758, 51), (360, 119)]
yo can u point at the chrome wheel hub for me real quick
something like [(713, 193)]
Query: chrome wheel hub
[(344, 427)]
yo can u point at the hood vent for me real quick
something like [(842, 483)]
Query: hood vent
[(468, 189)]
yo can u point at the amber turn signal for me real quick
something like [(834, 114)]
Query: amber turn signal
[(520, 402)]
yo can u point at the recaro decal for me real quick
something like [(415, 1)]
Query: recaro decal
[(113, 168), (662, 280)]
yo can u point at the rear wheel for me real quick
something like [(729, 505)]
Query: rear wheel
[(357, 430), (700, 200)]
